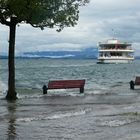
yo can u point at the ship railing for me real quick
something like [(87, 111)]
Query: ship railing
[(104, 57), (115, 49)]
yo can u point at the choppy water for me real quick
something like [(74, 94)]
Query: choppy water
[(107, 110)]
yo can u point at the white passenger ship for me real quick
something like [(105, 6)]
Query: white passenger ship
[(113, 51)]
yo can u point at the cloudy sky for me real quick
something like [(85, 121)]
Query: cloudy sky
[(96, 22)]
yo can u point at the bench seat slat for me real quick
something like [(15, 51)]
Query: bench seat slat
[(137, 81), (65, 84), (66, 81), (58, 87)]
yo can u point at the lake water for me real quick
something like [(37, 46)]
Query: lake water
[(107, 110)]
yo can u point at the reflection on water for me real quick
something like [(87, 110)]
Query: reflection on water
[(11, 132)]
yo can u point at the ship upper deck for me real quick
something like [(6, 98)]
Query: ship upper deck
[(114, 43)]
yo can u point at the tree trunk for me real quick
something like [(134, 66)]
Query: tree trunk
[(11, 93)]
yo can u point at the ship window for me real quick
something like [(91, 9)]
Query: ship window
[(115, 54)]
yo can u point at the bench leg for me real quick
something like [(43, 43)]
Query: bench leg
[(132, 84), (82, 90), (44, 89)]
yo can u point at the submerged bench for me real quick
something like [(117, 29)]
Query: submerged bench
[(136, 82), (65, 84)]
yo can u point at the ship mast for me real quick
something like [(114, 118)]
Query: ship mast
[(113, 34)]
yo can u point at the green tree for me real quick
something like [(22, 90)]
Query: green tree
[(37, 13)]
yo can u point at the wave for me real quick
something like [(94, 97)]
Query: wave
[(53, 117), (70, 114), (116, 122), (38, 93), (3, 87), (62, 56), (48, 56)]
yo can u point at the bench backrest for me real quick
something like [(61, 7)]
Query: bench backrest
[(137, 80), (62, 84)]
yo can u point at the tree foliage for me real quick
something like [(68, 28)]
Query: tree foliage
[(41, 13)]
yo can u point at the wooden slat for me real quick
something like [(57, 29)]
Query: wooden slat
[(137, 80), (62, 84)]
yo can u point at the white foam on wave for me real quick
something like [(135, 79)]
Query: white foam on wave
[(27, 96), (65, 92), (53, 117), (116, 123), (27, 119), (97, 89), (3, 87), (70, 114)]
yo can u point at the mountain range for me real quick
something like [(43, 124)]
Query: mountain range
[(88, 53), (81, 54)]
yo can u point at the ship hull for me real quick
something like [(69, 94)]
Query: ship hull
[(114, 61)]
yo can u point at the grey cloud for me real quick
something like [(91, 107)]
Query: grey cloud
[(95, 24)]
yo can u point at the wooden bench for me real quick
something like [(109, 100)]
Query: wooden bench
[(65, 84), (136, 82)]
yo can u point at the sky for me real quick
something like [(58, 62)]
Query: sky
[(98, 21)]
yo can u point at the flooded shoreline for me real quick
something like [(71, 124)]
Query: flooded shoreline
[(66, 117), (107, 110)]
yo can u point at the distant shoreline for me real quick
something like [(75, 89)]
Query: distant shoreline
[(45, 58), (19, 57), (6, 57)]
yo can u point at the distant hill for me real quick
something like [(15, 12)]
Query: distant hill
[(137, 57), (84, 53), (3, 57), (88, 53)]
